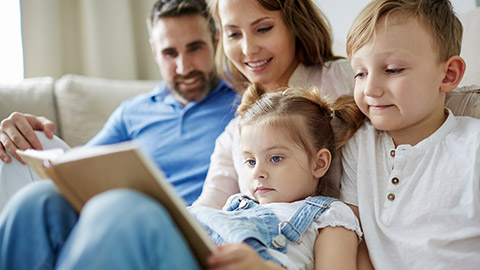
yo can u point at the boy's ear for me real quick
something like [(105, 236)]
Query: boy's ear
[(454, 68), (323, 158)]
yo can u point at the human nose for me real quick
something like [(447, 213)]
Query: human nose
[(373, 87), (249, 46), (260, 172), (184, 65)]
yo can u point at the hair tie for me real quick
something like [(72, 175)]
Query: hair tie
[(332, 113)]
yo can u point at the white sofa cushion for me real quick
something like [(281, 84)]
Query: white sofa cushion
[(34, 95), (85, 103)]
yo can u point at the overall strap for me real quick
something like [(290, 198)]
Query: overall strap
[(313, 207)]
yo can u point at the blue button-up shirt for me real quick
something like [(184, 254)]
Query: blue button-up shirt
[(179, 138)]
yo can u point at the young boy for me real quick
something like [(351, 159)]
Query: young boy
[(413, 171)]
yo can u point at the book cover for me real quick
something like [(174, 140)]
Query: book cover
[(82, 173)]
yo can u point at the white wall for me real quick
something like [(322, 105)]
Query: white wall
[(341, 14)]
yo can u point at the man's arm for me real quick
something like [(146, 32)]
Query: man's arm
[(17, 132)]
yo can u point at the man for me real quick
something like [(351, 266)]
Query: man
[(176, 123)]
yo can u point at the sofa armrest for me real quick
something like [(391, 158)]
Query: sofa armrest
[(85, 103)]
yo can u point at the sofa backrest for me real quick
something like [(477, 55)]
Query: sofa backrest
[(85, 103), (78, 105), (464, 101), (34, 96), (470, 52)]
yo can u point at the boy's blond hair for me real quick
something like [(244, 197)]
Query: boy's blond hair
[(437, 15)]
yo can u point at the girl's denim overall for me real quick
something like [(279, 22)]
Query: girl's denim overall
[(246, 221)]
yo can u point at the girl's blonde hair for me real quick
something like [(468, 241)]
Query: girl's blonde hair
[(312, 31), (305, 117)]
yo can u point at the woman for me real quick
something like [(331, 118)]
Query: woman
[(274, 44)]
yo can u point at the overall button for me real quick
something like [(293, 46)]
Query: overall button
[(392, 153), (243, 204), (391, 196), (279, 241), (395, 181)]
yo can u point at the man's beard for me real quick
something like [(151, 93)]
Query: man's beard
[(207, 83)]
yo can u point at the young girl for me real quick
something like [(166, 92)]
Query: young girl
[(274, 44), (287, 143)]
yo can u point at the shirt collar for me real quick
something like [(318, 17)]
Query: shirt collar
[(440, 133)]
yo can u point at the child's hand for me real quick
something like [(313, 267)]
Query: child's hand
[(238, 256)]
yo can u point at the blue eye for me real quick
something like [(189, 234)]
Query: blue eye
[(250, 162), (276, 159), (360, 75)]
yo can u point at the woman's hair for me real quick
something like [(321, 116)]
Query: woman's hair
[(305, 117), (437, 15), (313, 40)]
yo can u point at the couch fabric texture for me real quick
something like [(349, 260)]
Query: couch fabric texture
[(78, 105)]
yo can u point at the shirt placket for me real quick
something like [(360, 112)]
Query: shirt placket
[(396, 162)]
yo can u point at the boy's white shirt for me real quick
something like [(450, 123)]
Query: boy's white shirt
[(434, 219)]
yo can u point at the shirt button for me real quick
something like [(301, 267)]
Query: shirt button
[(395, 180), (392, 153), (391, 196)]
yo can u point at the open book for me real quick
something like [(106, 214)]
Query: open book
[(81, 173)]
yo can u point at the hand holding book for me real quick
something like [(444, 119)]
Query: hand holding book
[(82, 173)]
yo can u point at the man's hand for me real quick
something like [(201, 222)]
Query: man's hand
[(239, 256), (17, 132)]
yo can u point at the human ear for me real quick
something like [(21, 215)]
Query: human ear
[(323, 158), (454, 68), (154, 51), (217, 37)]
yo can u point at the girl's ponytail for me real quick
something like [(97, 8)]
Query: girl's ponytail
[(345, 110), (251, 95)]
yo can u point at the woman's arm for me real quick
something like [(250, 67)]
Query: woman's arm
[(336, 248), (222, 178)]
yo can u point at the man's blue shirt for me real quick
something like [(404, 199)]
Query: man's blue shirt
[(180, 139)]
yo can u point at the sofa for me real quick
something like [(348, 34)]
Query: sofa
[(78, 105)]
